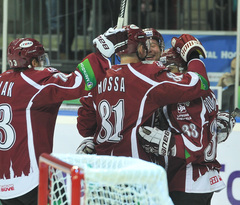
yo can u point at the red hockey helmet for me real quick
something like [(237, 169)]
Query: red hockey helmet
[(171, 57), (154, 34), (22, 50), (135, 36)]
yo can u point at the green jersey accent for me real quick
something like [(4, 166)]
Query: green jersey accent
[(204, 82), (87, 72), (187, 155)]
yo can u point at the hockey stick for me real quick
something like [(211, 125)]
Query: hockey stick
[(121, 14), (120, 20)]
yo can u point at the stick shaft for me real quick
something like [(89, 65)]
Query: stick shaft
[(121, 14)]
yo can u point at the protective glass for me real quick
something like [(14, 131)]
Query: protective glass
[(44, 60)]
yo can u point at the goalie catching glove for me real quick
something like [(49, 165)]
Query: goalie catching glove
[(112, 41), (86, 147), (224, 126), (186, 44), (157, 141)]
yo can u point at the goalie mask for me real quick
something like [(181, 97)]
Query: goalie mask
[(154, 34), (22, 51), (171, 58), (136, 36)]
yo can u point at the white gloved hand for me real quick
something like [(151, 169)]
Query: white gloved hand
[(112, 41), (87, 146), (224, 126), (157, 141)]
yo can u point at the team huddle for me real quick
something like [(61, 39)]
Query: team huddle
[(156, 119), (155, 105)]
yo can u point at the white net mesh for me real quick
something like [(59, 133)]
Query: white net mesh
[(110, 180), (58, 187)]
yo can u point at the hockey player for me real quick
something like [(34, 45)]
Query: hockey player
[(156, 47), (131, 92), (87, 127), (156, 42), (191, 166), (30, 95)]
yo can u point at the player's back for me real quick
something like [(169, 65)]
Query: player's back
[(120, 100), (24, 107), (16, 140), (28, 117), (15, 96), (196, 121), (128, 96)]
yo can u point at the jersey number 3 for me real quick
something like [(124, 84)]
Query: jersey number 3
[(7, 132)]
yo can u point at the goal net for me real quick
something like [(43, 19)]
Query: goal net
[(104, 180)]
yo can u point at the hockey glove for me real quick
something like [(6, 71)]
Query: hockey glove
[(186, 44), (224, 126), (112, 41), (157, 141), (86, 147)]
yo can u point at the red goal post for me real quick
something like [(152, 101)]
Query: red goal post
[(45, 162), (75, 179)]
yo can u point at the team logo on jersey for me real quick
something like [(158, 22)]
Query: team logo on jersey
[(175, 77), (26, 44), (182, 111), (181, 108)]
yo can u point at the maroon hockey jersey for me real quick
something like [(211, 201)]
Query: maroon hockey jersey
[(128, 96), (195, 128), (29, 103)]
